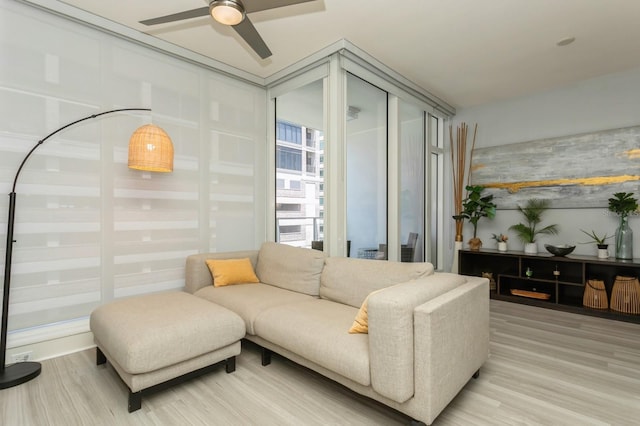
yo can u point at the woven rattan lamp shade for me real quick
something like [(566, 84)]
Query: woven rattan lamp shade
[(151, 149)]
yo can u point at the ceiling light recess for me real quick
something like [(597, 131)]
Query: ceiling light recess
[(227, 12), (565, 41)]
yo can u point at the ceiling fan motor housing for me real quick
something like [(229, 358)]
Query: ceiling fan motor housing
[(227, 12), (232, 13)]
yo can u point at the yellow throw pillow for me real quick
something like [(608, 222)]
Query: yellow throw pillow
[(361, 323), (231, 271)]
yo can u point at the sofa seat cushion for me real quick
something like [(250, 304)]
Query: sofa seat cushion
[(317, 330), (292, 268), (249, 300), (349, 281)]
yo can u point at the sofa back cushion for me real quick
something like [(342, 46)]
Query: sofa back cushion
[(291, 268), (349, 281)]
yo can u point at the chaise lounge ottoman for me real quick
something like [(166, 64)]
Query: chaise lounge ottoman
[(157, 340)]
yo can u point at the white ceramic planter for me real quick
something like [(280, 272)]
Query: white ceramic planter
[(502, 246), (603, 253), (531, 248)]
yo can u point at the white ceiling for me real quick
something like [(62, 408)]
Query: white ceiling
[(467, 52)]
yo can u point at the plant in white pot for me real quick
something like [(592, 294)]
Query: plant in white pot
[(603, 252), (501, 239), (528, 231)]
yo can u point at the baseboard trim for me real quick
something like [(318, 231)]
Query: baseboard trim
[(53, 348)]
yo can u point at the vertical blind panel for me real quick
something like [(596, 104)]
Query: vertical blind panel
[(49, 56), (56, 263), (155, 216), (155, 219), (234, 135), (88, 228), (231, 193)]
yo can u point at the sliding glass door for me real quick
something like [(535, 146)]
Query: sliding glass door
[(366, 183), (300, 167), (412, 181), (379, 144)]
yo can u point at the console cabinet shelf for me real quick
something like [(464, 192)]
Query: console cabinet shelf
[(548, 281)]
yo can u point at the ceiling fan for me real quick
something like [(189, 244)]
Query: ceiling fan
[(234, 14)]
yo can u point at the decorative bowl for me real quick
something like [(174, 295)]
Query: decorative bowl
[(560, 250)]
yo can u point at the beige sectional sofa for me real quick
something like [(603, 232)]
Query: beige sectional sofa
[(428, 331)]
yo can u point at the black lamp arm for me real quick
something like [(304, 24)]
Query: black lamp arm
[(41, 141)]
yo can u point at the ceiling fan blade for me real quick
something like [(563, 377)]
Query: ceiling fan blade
[(249, 33), (187, 14), (258, 5)]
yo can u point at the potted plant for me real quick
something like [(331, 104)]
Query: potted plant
[(600, 242), (475, 207), (527, 232), (502, 241), (623, 204)]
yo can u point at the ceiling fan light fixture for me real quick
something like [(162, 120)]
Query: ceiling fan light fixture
[(227, 12)]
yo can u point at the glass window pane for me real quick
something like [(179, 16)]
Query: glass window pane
[(366, 169), (299, 207), (437, 222), (412, 181)]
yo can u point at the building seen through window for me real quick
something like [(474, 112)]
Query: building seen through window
[(299, 184)]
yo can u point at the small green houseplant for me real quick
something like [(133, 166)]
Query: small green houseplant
[(601, 242), (528, 231), (623, 204), (501, 239), (475, 207)]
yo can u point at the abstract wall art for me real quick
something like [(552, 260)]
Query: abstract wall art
[(579, 171)]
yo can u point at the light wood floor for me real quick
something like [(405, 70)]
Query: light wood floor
[(545, 368)]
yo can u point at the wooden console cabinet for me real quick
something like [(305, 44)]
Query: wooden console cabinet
[(548, 281)]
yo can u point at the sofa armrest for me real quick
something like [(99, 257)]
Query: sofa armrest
[(391, 331), (451, 342), (197, 274)]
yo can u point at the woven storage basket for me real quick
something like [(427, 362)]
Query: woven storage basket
[(595, 295), (625, 295)]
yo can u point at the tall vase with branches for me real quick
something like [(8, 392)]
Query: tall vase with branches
[(458, 168)]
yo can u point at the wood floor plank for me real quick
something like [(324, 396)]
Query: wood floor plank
[(545, 368)]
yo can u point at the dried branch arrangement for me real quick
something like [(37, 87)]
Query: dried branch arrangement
[(459, 167)]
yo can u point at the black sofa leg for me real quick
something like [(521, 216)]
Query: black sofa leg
[(476, 374), (230, 365), (100, 358), (135, 401), (266, 356)]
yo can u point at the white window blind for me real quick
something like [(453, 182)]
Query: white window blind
[(89, 229)]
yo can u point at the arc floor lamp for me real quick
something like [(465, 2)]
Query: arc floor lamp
[(151, 149)]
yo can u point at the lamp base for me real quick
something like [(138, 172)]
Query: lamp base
[(21, 372)]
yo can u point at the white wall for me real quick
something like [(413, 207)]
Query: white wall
[(606, 102)]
